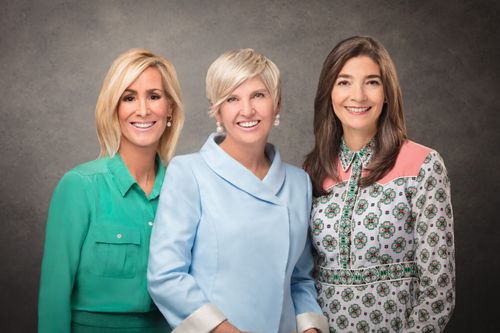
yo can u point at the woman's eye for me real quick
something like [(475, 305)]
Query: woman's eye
[(231, 99), (155, 97), (374, 83), (259, 95), (342, 83), (128, 98)]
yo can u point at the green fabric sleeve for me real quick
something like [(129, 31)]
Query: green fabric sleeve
[(67, 226)]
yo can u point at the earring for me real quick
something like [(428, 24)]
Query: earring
[(277, 120), (219, 129), (169, 121)]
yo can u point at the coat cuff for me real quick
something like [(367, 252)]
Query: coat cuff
[(309, 320), (203, 320)]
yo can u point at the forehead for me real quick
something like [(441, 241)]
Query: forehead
[(250, 85), (150, 77), (360, 66)]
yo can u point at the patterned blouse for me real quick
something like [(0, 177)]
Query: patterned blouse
[(385, 252)]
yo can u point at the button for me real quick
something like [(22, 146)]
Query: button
[(118, 236), (150, 223)]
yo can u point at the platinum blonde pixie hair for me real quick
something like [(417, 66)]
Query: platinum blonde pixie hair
[(234, 67), (123, 72)]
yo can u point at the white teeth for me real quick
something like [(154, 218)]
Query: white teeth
[(357, 109), (143, 125), (248, 124)]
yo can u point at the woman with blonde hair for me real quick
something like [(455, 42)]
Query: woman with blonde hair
[(230, 249), (382, 221), (94, 266)]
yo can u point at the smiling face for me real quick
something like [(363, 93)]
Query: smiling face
[(143, 111), (247, 115), (358, 96)]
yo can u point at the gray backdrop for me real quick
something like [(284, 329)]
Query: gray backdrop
[(54, 55)]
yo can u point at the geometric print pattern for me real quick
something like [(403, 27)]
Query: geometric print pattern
[(397, 273)]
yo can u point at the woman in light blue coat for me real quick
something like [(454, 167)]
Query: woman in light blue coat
[(229, 249)]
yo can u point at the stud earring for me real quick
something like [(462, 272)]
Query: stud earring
[(219, 129), (277, 120), (169, 121)]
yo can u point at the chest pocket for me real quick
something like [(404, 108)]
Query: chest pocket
[(116, 250)]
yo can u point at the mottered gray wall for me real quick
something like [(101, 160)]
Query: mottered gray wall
[(54, 55)]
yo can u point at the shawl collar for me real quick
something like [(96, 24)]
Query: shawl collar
[(234, 172)]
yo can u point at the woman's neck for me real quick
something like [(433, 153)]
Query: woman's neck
[(356, 140), (141, 165), (252, 157)]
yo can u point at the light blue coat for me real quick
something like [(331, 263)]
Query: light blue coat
[(224, 238)]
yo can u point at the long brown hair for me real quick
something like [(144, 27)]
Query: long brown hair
[(321, 162)]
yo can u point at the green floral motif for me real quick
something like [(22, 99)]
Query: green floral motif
[(421, 175), (433, 239), (400, 181), (437, 306), (368, 299), (386, 229), (370, 221), (398, 245), (362, 206), (386, 259), (375, 190), (397, 324), (428, 329), (347, 294), (441, 223), (438, 167), (342, 322), (430, 211), (335, 306), (421, 201), (400, 210), (423, 315), (443, 251), (403, 297), (443, 280), (360, 240), (422, 228), (410, 193), (329, 243), (376, 317), (434, 267), (383, 289), (362, 327), (440, 195), (317, 226), (388, 196), (390, 306), (430, 183), (372, 254), (354, 310), (330, 291), (332, 210), (449, 239), (448, 211)]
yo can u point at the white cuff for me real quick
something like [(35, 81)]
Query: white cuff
[(315, 320), (203, 320)]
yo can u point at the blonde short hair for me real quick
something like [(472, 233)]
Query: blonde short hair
[(234, 67), (123, 72)]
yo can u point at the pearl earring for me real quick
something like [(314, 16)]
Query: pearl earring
[(169, 121), (219, 129), (277, 120)]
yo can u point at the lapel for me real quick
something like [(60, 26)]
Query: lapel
[(231, 170)]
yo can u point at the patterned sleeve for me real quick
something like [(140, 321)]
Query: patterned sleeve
[(435, 248)]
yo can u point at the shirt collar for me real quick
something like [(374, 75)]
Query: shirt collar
[(347, 155), (125, 181)]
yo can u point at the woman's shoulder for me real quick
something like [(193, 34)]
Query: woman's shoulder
[(411, 157)]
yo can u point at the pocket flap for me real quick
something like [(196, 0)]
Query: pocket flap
[(116, 234)]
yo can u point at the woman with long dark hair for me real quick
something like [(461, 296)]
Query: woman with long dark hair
[(382, 220)]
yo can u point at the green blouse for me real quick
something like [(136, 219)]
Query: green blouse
[(96, 250)]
